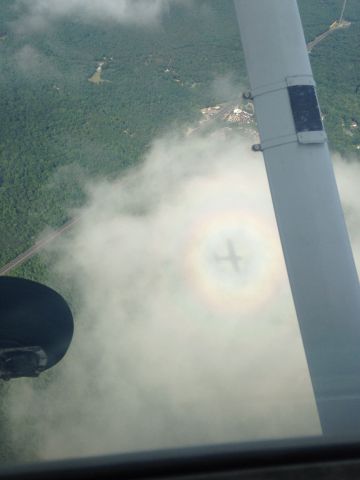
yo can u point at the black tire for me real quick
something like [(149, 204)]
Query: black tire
[(32, 314)]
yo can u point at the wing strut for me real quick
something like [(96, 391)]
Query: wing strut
[(315, 242)]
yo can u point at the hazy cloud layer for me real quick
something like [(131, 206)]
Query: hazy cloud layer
[(348, 179), (226, 87), (40, 13), (32, 63), (173, 346)]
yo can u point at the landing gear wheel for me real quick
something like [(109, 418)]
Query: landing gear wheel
[(34, 320)]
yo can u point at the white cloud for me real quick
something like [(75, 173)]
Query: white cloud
[(348, 177), (173, 347), (226, 87), (30, 62), (40, 13)]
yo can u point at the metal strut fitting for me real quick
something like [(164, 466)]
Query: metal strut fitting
[(313, 234)]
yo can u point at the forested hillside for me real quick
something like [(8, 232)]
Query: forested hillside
[(57, 128), (336, 65)]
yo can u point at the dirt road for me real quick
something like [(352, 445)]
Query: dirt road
[(322, 36), (23, 257)]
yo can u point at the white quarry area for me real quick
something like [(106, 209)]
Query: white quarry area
[(230, 113)]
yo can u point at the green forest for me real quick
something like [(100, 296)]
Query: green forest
[(58, 129)]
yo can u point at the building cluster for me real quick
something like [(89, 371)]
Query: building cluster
[(239, 116), (210, 112), (228, 114)]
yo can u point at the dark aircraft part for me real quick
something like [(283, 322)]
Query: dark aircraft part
[(22, 362), (256, 147), (36, 328), (247, 96), (305, 108)]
